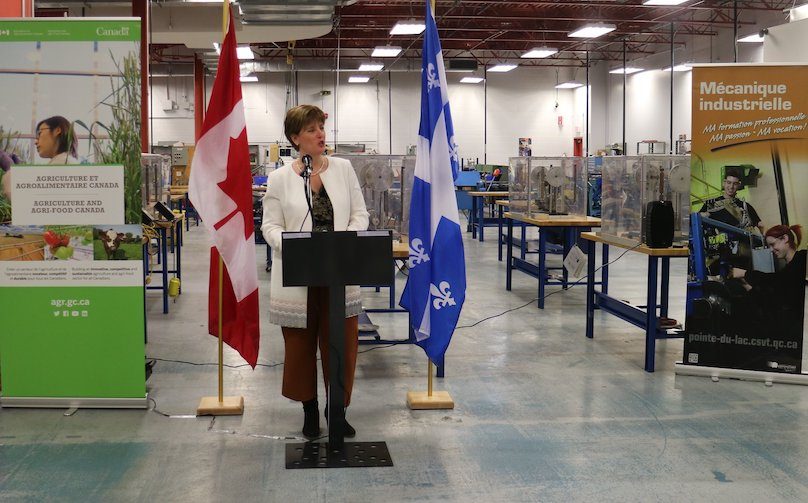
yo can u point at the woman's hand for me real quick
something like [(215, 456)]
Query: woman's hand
[(737, 273)]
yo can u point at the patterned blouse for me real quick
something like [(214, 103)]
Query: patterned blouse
[(322, 211)]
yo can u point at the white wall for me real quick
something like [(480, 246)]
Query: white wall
[(520, 103), (648, 107), (787, 43)]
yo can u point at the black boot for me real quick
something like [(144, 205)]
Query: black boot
[(311, 419), (347, 429)]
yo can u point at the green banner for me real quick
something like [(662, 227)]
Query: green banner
[(69, 30), (73, 342), (71, 251)]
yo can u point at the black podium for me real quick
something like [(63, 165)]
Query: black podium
[(335, 260)]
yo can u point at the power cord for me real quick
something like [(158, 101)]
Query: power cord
[(266, 365), (577, 282)]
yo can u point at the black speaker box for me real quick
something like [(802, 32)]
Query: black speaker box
[(657, 226)]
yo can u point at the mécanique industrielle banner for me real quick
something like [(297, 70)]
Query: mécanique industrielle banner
[(71, 250), (749, 211)]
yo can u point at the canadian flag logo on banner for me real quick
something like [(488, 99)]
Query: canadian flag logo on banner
[(220, 189)]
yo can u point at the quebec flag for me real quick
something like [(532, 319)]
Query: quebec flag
[(436, 286)]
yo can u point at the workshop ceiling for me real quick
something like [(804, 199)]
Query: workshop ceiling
[(486, 31)]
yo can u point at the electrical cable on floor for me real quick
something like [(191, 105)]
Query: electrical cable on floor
[(267, 365), (577, 282), (232, 432)]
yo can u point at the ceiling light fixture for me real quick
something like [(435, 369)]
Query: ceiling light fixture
[(663, 2), (628, 71), (370, 67), (386, 51), (592, 30), (244, 52), (573, 84), (471, 80), (502, 67), (755, 38), (358, 79), (411, 27), (540, 52), (248, 78), (678, 68)]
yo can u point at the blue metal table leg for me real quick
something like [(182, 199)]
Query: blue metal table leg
[(481, 220), (665, 283), (499, 233), (164, 253), (473, 217), (590, 288), (184, 207), (651, 315), (523, 243), (604, 272), (509, 256), (542, 265)]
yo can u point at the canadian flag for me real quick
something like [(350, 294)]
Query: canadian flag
[(220, 189)]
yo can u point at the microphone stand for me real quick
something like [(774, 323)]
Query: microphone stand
[(306, 174)]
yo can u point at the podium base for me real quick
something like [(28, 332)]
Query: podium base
[(420, 400), (353, 455), (229, 406)]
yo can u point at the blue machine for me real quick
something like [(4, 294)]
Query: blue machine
[(715, 248), (466, 182)]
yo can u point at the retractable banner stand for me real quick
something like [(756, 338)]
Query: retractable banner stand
[(747, 271), (71, 253)]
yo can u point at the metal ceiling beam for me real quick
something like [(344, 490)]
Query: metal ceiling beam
[(542, 19)]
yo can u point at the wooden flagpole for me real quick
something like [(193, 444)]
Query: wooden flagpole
[(419, 400), (221, 405)]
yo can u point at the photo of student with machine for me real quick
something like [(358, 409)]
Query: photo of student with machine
[(730, 209), (337, 204)]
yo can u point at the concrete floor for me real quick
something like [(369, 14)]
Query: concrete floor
[(542, 414)]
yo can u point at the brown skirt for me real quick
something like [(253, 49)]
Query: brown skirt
[(300, 359)]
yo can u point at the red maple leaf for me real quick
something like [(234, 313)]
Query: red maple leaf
[(238, 184)]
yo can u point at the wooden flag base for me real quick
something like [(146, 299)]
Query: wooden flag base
[(229, 406), (420, 400)]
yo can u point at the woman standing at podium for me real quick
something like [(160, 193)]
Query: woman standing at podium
[(337, 205)]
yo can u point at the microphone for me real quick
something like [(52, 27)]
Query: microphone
[(306, 160), (306, 174)]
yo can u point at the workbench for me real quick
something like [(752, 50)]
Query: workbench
[(477, 219), (644, 317), (166, 229), (570, 227)]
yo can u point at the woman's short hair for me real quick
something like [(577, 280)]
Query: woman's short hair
[(793, 232), (67, 139), (299, 117)]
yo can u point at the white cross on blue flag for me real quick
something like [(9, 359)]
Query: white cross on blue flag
[(436, 286)]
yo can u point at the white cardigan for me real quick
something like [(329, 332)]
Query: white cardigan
[(285, 209)]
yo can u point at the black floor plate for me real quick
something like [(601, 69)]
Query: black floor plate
[(354, 455)]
